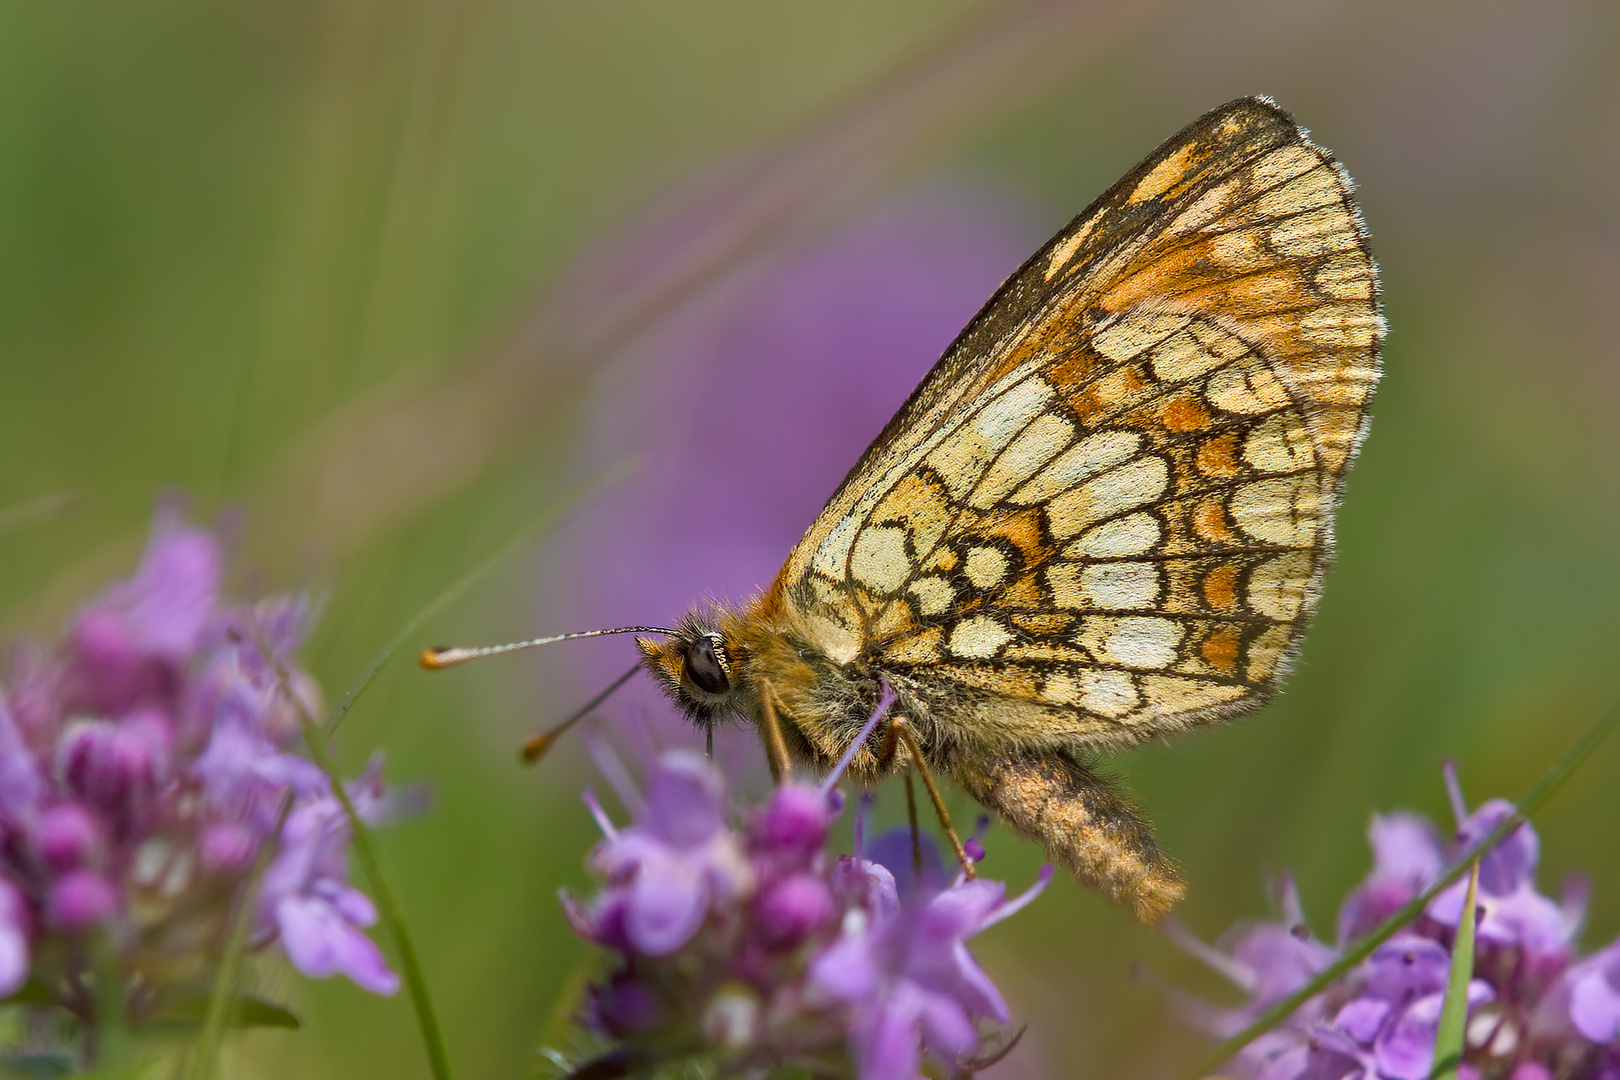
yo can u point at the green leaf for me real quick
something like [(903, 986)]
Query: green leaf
[(32, 992), (191, 1010), (36, 1066), (1448, 1036)]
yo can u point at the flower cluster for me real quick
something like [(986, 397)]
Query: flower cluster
[(751, 947), (1535, 1010), (145, 773)]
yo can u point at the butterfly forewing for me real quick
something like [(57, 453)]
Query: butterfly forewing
[(1105, 514)]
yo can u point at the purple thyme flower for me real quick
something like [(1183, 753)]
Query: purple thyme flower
[(752, 947), (679, 857), (1268, 961), (909, 979), (1515, 914), (144, 767), (318, 915), (1407, 855), (1535, 1014), (1592, 988)]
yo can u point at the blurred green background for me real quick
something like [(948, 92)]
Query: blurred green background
[(350, 266)]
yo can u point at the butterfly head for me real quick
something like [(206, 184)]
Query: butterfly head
[(697, 669)]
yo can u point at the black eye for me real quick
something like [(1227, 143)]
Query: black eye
[(704, 669)]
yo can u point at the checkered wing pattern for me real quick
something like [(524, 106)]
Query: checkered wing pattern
[(1105, 514)]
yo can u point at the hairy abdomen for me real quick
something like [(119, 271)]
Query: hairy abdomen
[(1086, 823)]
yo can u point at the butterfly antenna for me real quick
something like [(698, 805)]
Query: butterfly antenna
[(436, 659), (536, 746)]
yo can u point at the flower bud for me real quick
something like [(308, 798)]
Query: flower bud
[(792, 909), (794, 822), (66, 835), (227, 848), (628, 1008), (80, 900)]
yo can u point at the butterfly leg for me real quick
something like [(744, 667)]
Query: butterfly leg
[(901, 731), (916, 833), (1086, 823), (781, 764)]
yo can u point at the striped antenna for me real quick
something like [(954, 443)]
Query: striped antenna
[(437, 659)]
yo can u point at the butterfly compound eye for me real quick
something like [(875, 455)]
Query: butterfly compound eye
[(704, 668)]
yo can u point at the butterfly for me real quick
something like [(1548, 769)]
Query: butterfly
[(1102, 518)]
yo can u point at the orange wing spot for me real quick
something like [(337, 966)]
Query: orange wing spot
[(920, 649), (1065, 251), (1220, 651), (892, 621), (1042, 624), (1247, 298), (1168, 275), (1075, 370), (1024, 530), (1182, 413), (912, 498), (1220, 587), (1108, 392), (1217, 457), (1041, 652), (1166, 175), (1011, 680), (868, 602), (1209, 522), (1025, 592)]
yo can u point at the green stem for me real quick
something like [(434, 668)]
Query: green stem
[(1528, 804), (111, 1036), (387, 907)]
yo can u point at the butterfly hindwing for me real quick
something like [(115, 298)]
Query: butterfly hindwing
[(1105, 514)]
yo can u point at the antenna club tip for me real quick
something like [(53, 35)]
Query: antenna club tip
[(536, 747), (438, 659)]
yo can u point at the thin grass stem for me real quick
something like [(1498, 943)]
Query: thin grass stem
[(474, 574)]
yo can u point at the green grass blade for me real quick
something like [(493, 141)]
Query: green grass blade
[(1453, 1026), (1528, 803)]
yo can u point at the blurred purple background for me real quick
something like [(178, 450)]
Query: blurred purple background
[(742, 419)]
